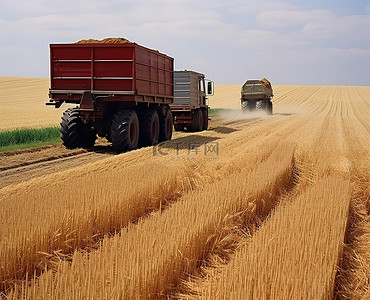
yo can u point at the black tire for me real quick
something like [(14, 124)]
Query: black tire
[(194, 122), (200, 120), (197, 122), (248, 105), (259, 105), (245, 106), (125, 130), (270, 108), (149, 127), (71, 128), (74, 133), (205, 118), (179, 127), (165, 124)]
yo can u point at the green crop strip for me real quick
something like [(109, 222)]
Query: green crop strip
[(28, 137)]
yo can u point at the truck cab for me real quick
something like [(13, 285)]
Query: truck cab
[(189, 107)]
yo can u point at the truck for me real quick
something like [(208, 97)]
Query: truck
[(122, 91), (257, 95), (189, 107)]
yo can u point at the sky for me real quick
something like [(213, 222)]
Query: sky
[(287, 41)]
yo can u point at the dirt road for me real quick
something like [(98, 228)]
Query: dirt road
[(23, 165)]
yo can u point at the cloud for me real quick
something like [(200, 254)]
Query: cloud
[(292, 17), (15, 10), (267, 39), (340, 53), (316, 23), (353, 26), (252, 6)]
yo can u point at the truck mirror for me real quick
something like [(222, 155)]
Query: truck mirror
[(210, 88)]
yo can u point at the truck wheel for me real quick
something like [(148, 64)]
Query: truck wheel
[(149, 128), (270, 108), (245, 106), (165, 125), (71, 128), (179, 127), (125, 130), (194, 122), (249, 105), (200, 120), (259, 105), (197, 122), (205, 119)]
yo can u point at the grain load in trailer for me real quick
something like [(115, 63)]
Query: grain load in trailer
[(122, 91)]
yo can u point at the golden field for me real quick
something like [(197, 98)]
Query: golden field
[(281, 211), (23, 103)]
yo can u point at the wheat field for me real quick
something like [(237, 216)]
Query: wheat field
[(281, 211), (23, 103)]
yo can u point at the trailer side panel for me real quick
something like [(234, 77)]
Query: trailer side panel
[(113, 69)]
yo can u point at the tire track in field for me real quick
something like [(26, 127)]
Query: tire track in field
[(353, 272), (41, 160), (25, 171)]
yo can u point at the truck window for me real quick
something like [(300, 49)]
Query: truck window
[(201, 85)]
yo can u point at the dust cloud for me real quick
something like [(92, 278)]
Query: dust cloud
[(237, 115)]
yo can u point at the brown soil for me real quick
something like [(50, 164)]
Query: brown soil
[(22, 165)]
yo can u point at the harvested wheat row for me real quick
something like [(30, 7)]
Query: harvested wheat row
[(294, 255), (354, 272), (50, 223), (148, 260)]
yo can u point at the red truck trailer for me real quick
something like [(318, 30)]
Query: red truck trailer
[(122, 92)]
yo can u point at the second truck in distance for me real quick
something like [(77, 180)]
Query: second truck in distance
[(257, 95), (189, 107)]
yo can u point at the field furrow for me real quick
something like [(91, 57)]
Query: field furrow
[(195, 226), (272, 266), (352, 279)]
